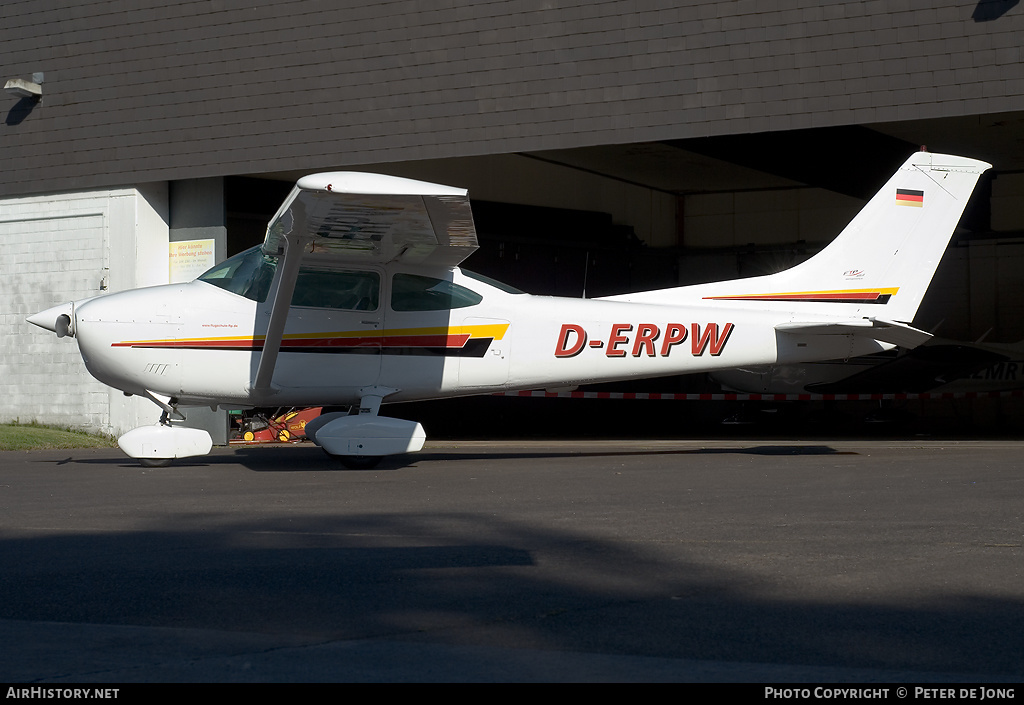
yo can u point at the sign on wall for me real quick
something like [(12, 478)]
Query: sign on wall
[(189, 259)]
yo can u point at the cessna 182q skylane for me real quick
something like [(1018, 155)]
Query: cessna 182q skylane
[(355, 298)]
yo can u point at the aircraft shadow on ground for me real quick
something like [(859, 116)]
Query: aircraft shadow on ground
[(475, 579), (309, 458)]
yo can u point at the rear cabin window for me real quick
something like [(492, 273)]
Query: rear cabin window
[(339, 289), (412, 292)]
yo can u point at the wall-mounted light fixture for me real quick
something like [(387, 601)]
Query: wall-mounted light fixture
[(26, 89)]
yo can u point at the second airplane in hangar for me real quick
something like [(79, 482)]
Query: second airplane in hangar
[(356, 298)]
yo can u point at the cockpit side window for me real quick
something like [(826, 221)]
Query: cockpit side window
[(251, 273), (412, 292), (347, 290), (247, 274)]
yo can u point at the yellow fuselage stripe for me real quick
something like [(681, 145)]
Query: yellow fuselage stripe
[(493, 330)]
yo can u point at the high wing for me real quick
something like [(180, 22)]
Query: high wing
[(353, 217), (375, 218)]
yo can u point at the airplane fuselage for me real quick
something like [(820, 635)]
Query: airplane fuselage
[(201, 344)]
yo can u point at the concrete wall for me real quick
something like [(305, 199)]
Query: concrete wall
[(63, 248)]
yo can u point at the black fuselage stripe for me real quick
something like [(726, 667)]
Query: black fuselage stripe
[(477, 347)]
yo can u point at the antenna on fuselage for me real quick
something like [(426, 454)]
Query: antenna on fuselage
[(586, 266)]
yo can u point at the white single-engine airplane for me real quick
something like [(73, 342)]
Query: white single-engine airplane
[(355, 298)]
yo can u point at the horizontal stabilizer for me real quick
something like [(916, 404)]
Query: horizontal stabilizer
[(886, 331)]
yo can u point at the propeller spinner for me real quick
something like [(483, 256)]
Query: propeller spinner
[(58, 319)]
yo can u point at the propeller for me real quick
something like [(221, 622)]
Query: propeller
[(62, 326)]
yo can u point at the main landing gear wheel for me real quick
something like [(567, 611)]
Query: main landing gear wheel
[(155, 462), (360, 462)]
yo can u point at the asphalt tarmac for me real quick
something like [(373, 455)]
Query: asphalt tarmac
[(741, 561)]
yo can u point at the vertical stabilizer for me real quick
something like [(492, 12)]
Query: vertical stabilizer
[(880, 265), (887, 255)]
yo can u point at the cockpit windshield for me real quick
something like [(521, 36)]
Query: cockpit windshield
[(247, 274)]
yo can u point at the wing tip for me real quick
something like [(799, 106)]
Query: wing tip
[(370, 184)]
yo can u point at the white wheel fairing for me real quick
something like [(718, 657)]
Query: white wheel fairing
[(161, 442)]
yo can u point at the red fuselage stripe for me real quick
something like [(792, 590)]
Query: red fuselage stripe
[(425, 341)]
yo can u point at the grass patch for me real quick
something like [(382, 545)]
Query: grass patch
[(34, 436)]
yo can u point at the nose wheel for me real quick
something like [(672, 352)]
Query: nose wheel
[(156, 446)]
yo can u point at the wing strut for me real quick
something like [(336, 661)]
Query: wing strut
[(289, 267)]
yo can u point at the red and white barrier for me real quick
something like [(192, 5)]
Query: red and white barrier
[(729, 396)]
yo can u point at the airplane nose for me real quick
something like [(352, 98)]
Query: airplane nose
[(59, 319)]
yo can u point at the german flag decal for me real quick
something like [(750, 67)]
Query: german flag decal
[(843, 296), (909, 197)]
